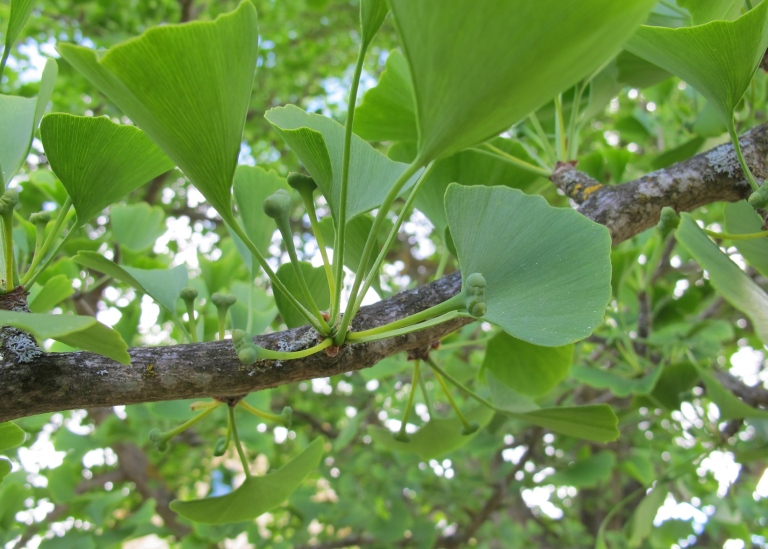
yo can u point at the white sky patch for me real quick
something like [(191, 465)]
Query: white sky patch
[(723, 467), (680, 511), (746, 364)]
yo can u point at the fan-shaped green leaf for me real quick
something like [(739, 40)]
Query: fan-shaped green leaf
[(718, 58), (256, 495), (641, 524), (55, 290), (526, 368), (472, 81), (319, 143), (593, 422), (704, 11), (20, 10), (252, 185), (11, 435), (387, 112), (5, 468), (372, 14), (137, 226), (547, 270), (19, 117), (162, 285), (262, 309), (354, 243), (318, 287), (436, 438), (98, 161), (726, 277), (84, 332), (742, 218), (619, 385), (586, 473), (188, 86)]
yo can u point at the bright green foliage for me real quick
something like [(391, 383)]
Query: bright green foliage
[(20, 10), (98, 161), (358, 230), (10, 435), (372, 14), (252, 186), (642, 519), (56, 289), (528, 369), (188, 87), (84, 332), (19, 117), (387, 112), (436, 438), (317, 284), (137, 226), (586, 473), (262, 308), (620, 385), (740, 217), (472, 82), (318, 141), (695, 54), (547, 270), (162, 285), (727, 278), (594, 422), (704, 11), (256, 495)]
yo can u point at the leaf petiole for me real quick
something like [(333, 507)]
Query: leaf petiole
[(236, 437), (490, 150), (357, 337)]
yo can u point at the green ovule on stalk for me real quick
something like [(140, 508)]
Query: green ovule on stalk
[(189, 295), (160, 438), (223, 302), (668, 221), (40, 220), (248, 352), (8, 202)]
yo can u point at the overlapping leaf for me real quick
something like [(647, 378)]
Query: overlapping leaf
[(256, 495), (84, 332), (741, 218), (717, 58), (547, 270), (479, 67), (319, 143), (318, 287), (98, 161), (188, 86), (137, 226), (252, 185)]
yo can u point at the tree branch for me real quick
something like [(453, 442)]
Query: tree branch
[(62, 381)]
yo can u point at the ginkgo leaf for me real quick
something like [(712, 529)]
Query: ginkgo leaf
[(479, 67), (256, 495), (84, 332), (727, 278), (740, 217), (318, 141), (20, 10), (162, 285), (704, 11), (717, 58), (372, 14), (318, 288), (55, 290), (19, 117), (188, 86), (252, 185), (98, 161), (547, 270), (591, 422), (137, 226), (438, 437), (11, 435)]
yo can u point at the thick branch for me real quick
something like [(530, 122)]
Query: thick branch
[(61, 381)]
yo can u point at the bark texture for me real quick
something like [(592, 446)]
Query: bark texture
[(62, 381)]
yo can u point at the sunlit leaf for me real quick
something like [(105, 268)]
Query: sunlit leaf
[(438, 437), (188, 86), (547, 270), (318, 287), (162, 285), (704, 11), (137, 226), (55, 290), (256, 495), (741, 218), (726, 277), (84, 332), (98, 161), (528, 369), (252, 185), (641, 525), (319, 143), (730, 49), (11, 435), (471, 81), (20, 10), (372, 14), (5, 468)]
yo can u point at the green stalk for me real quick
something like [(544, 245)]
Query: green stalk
[(444, 256), (467, 427), (736, 236), (490, 150), (470, 393), (425, 394), (8, 250), (340, 241), (369, 245), (269, 354), (740, 156), (259, 413), (48, 241), (402, 435), (240, 452), (453, 304), (573, 122), (543, 139), (31, 280), (312, 213), (357, 337), (560, 128), (235, 228), (373, 272), (168, 435)]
